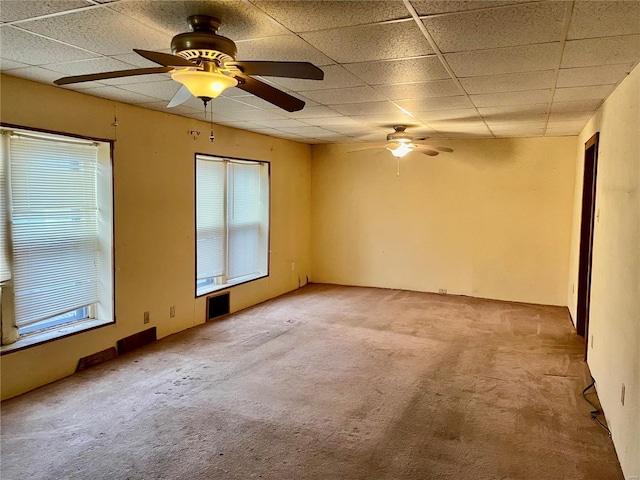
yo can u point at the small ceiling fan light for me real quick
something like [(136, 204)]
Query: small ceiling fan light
[(401, 150), (204, 84)]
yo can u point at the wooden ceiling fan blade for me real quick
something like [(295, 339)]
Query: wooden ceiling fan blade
[(164, 59), (182, 95), (303, 70), (106, 75), (444, 149), (431, 153), (379, 146), (268, 93)]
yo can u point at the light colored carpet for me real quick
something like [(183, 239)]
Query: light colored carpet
[(327, 382)]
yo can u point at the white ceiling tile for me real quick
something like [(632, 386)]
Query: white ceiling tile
[(115, 93), (79, 29), (161, 90), (313, 112), (601, 51), (604, 18), (239, 20), (514, 110), (512, 82), (345, 95), (92, 65), (354, 130), (528, 58), (253, 101), (24, 47), (6, 64), (434, 7), (454, 124), (37, 74), (498, 27), (595, 92), (288, 48), (335, 76), (584, 76), (534, 132), (385, 119), (575, 106), (437, 88), (448, 115), (435, 103), (568, 124), (371, 42), (517, 127), (283, 124), (399, 71), (562, 132), (253, 115), (12, 10), (465, 131), (162, 107), (306, 130), (332, 121), (304, 16), (366, 108), (511, 98), (557, 117), (508, 119)]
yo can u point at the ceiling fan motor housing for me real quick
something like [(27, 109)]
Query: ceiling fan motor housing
[(203, 43), (400, 135)]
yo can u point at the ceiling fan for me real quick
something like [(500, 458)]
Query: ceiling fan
[(205, 63), (401, 143)]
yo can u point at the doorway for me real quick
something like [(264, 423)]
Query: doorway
[(586, 237)]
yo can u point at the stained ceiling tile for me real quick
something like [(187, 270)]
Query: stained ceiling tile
[(601, 51), (345, 95), (304, 16), (371, 42), (575, 106), (434, 7), (12, 10), (399, 71), (512, 82), (583, 76), (528, 58), (437, 88), (288, 48), (529, 97), (335, 76), (79, 29), (599, 18), (596, 92), (366, 108), (498, 27), (21, 46), (435, 103), (239, 20)]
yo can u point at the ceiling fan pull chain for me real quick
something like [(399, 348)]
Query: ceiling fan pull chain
[(211, 136), (398, 167)]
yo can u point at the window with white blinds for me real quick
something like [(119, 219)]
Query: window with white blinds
[(57, 256), (5, 273), (232, 221)]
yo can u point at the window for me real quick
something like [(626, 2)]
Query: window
[(55, 234), (232, 222)]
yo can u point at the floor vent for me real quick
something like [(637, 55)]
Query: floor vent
[(217, 306), (96, 358), (137, 340)]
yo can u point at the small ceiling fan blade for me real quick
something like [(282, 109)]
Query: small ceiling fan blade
[(431, 153), (182, 95), (268, 93), (106, 75), (431, 147), (303, 70), (165, 59)]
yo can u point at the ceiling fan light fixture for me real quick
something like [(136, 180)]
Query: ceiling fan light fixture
[(204, 84), (401, 150)]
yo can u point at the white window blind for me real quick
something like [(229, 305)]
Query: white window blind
[(232, 221), (54, 227), (5, 272)]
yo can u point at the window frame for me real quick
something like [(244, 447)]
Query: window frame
[(226, 286), (74, 327)]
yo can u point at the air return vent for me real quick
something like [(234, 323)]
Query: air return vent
[(217, 305)]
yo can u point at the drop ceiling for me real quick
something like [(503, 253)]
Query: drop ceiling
[(450, 69)]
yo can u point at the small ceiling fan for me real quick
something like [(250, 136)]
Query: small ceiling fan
[(401, 143), (205, 63)]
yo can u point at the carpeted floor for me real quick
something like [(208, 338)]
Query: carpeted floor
[(327, 382)]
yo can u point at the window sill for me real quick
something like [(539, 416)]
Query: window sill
[(53, 334), (233, 283)]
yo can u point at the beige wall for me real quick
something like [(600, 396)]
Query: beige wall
[(614, 327), (490, 220), (154, 218)]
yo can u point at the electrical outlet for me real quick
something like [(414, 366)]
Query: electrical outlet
[(146, 317), (293, 266), (622, 395), (172, 311), (443, 291)]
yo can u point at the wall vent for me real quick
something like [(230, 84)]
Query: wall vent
[(136, 340), (217, 305), (96, 358)]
